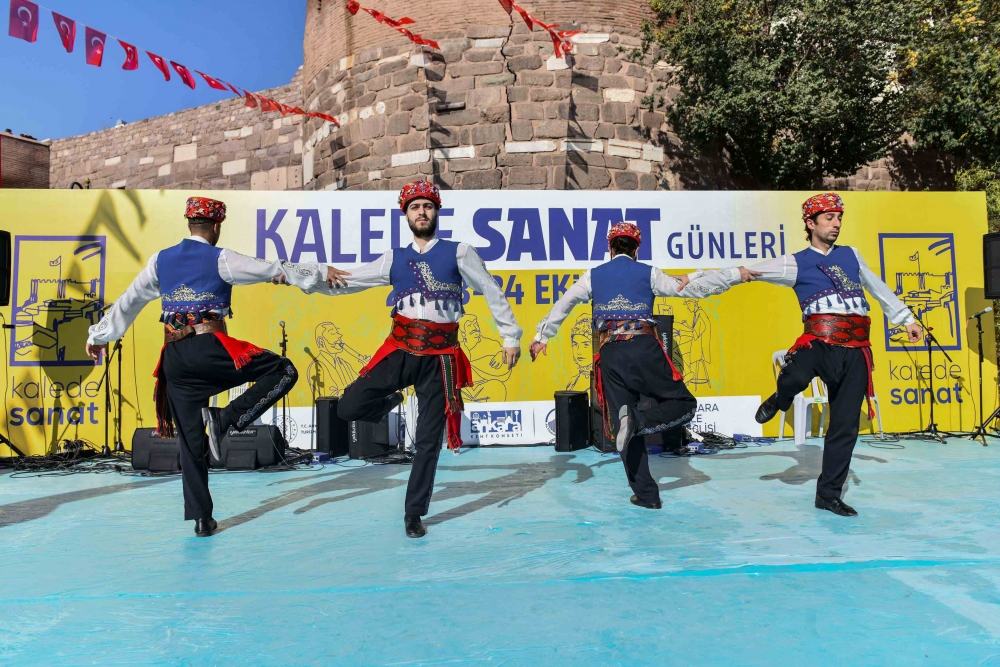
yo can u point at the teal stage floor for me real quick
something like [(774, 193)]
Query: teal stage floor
[(533, 558)]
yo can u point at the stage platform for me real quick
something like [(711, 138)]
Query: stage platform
[(533, 558)]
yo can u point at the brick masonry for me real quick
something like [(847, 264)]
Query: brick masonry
[(24, 163), (493, 109)]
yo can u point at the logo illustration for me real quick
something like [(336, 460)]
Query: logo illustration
[(550, 422), (496, 422), (920, 270), (58, 294), (289, 429)]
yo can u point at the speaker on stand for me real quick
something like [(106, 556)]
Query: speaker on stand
[(331, 431), (572, 420)]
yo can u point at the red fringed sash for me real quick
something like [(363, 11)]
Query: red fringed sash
[(425, 338), (842, 331), (241, 352)]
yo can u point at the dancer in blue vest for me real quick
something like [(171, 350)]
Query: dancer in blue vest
[(631, 360), (830, 282), (194, 281), (422, 349)]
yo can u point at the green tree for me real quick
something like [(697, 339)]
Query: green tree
[(786, 92), (951, 81)]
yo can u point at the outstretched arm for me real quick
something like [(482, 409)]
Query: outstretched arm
[(114, 324), (373, 274), (779, 271), (473, 270), (238, 269), (894, 309), (579, 292)]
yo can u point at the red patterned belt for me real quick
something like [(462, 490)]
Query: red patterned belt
[(843, 330)]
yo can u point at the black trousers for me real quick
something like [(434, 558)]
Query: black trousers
[(197, 368), (368, 399), (845, 373), (633, 367)]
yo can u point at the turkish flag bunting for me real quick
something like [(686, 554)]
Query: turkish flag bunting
[(212, 82), (323, 116), (161, 64), (285, 109), (95, 46), (131, 56), (23, 20), (233, 88), (353, 6), (67, 31), (268, 104), (184, 74), (251, 100)]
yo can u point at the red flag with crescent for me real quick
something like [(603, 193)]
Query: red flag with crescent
[(95, 46), (212, 81), (267, 104), (23, 20), (251, 100), (232, 88), (161, 64), (131, 56), (67, 31), (184, 73)]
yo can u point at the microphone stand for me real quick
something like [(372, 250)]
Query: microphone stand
[(284, 401), (980, 431), (105, 381), (4, 440), (932, 428)]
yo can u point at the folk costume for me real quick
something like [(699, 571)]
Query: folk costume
[(422, 349), (194, 282), (835, 343), (630, 360)]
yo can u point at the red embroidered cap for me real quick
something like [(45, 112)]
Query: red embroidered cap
[(419, 190), (203, 207), (828, 202), (628, 229)]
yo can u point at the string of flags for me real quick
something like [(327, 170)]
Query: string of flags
[(353, 7), (25, 19)]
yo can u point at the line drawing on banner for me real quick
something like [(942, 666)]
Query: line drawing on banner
[(693, 334), (58, 294), (489, 372), (581, 340), (920, 269), (336, 364)]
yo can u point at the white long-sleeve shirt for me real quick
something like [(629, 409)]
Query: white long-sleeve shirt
[(234, 268), (581, 292), (473, 271), (784, 270)]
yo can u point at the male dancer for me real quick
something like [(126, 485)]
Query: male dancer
[(829, 281), (630, 360), (194, 280), (422, 349)]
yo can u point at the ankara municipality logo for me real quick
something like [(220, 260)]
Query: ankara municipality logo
[(58, 294), (498, 424), (920, 270)]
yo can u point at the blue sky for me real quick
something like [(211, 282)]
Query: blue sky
[(48, 93)]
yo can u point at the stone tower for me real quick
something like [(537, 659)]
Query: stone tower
[(493, 109)]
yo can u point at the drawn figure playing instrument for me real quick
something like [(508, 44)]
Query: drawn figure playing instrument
[(336, 365), (582, 345), (489, 372), (694, 338)]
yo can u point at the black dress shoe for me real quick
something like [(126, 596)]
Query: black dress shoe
[(835, 505), (205, 527), (213, 424), (626, 428), (767, 409), (414, 526), (650, 506)]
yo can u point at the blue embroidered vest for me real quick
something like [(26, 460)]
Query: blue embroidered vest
[(830, 283), (621, 290), (429, 277), (191, 289)]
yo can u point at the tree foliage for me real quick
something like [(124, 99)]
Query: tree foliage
[(786, 92), (951, 80)]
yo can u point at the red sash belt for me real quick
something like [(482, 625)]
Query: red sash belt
[(241, 352), (425, 338), (616, 333), (842, 331)]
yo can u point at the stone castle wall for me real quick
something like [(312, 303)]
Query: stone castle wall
[(24, 163), (223, 146)]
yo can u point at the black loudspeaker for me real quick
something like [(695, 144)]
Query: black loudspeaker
[(332, 432), (254, 447), (665, 327), (991, 265), (153, 453), (368, 441), (572, 420), (5, 268)]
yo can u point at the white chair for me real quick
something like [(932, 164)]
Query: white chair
[(801, 422)]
